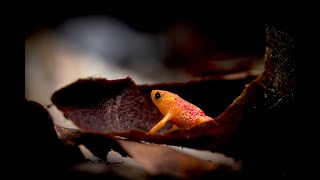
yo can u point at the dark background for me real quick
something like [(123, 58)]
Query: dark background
[(234, 29), (223, 27)]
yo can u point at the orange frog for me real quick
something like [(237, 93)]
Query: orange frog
[(181, 113)]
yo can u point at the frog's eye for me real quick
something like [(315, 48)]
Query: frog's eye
[(157, 96)]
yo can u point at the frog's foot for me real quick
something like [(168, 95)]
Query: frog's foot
[(174, 127)]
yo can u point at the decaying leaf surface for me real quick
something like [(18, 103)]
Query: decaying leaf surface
[(105, 106)]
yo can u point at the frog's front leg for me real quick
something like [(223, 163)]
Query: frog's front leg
[(161, 123)]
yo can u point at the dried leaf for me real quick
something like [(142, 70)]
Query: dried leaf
[(161, 160), (98, 145), (44, 148), (156, 160)]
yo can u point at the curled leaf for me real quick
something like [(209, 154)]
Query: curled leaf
[(121, 108), (102, 106)]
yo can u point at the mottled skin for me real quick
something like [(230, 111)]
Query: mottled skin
[(181, 113)]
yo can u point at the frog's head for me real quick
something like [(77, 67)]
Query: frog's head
[(164, 100)]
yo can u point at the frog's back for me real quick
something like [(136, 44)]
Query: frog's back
[(188, 113)]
